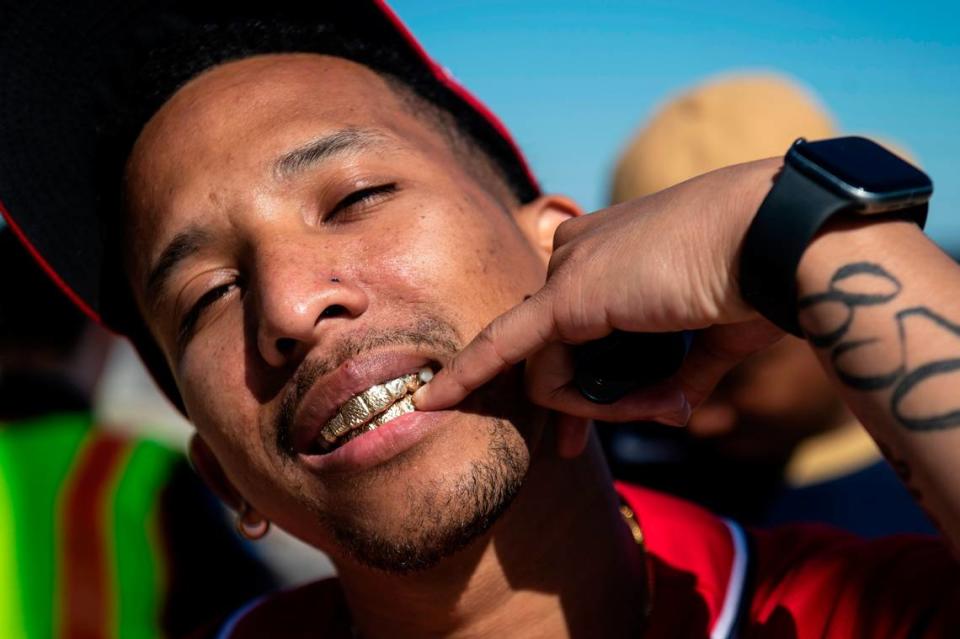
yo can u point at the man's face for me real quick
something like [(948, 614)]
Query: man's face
[(296, 236)]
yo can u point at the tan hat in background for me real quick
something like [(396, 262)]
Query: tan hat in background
[(724, 121)]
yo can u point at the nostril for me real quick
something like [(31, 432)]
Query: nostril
[(334, 310), (285, 345)]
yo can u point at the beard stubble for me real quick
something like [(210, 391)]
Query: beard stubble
[(444, 513)]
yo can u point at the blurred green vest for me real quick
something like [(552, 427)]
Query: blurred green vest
[(90, 545)]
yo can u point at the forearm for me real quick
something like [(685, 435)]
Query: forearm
[(881, 306)]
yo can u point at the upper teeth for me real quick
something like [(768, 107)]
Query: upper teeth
[(362, 408)]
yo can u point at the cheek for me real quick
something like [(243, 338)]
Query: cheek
[(474, 265), (227, 418), (212, 374)]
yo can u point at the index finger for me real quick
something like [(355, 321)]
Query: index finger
[(507, 340)]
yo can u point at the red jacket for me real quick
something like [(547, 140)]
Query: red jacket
[(713, 579)]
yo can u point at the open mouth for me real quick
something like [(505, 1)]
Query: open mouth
[(369, 410)]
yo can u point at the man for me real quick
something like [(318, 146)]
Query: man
[(308, 239)]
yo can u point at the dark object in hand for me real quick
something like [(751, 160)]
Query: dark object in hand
[(611, 368)]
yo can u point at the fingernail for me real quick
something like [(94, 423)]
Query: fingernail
[(418, 397)]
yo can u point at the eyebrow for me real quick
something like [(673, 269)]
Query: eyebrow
[(342, 141), (183, 245)]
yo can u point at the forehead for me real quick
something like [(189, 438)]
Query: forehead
[(239, 98), (237, 118)]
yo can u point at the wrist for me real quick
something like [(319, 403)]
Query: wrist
[(753, 186), (821, 182), (851, 239), (757, 180), (880, 246)]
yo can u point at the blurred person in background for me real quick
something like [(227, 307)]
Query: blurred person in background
[(774, 442), (101, 535)]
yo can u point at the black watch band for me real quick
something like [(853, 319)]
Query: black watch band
[(792, 213)]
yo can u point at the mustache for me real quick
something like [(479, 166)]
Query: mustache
[(430, 333)]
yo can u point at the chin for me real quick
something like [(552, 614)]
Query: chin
[(410, 514)]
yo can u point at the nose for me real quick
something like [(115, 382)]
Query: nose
[(297, 300)]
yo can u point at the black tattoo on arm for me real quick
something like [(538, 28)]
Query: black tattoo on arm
[(884, 288)]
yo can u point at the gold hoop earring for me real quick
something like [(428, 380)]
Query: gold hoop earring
[(250, 530)]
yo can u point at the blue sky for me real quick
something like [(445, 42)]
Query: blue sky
[(573, 79)]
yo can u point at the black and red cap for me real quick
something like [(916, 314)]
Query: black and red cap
[(66, 111)]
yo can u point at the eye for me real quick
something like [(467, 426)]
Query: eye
[(365, 197), (189, 322)]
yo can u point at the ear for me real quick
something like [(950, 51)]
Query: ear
[(539, 219), (205, 464)]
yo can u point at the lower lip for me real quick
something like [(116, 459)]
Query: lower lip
[(378, 446)]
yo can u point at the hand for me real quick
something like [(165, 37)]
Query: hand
[(663, 263)]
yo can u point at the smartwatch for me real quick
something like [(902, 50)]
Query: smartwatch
[(849, 176)]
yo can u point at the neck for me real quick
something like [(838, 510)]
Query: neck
[(561, 553)]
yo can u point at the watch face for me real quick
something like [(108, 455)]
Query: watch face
[(861, 168)]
